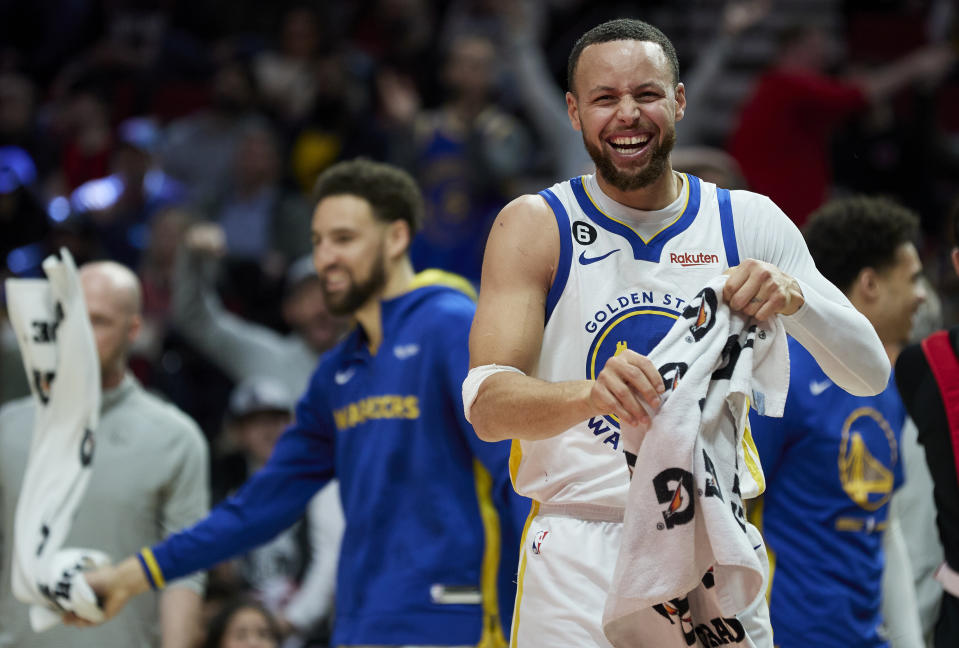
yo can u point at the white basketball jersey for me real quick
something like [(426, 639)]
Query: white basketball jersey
[(613, 290)]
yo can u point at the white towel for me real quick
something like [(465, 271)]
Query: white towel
[(56, 341), (684, 532)]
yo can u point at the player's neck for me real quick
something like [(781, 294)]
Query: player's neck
[(369, 315), (892, 350), (659, 194), (111, 377)]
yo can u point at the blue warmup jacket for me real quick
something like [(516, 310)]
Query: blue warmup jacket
[(831, 464), (430, 547)]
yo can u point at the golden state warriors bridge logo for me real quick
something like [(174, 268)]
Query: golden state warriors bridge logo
[(636, 321), (868, 453)]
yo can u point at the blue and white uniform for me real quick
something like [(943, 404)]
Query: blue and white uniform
[(832, 463), (432, 524), (623, 277)]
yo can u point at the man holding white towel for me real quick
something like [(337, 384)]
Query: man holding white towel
[(833, 460), (431, 523), (150, 477), (579, 283)]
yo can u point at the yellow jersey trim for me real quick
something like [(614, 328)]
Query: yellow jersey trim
[(151, 563), (437, 277), (627, 225), (751, 454), (492, 636), (534, 509), (515, 459), (609, 327)]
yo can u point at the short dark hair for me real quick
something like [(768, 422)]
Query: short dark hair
[(391, 192), (622, 29), (847, 235)]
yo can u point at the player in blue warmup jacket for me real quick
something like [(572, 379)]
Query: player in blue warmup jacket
[(833, 461), (432, 523)]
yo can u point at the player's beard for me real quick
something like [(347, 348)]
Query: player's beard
[(628, 180), (359, 292)]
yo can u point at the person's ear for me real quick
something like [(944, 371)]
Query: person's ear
[(865, 287), (572, 109), (398, 238)]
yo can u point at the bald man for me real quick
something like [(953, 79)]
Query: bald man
[(149, 478)]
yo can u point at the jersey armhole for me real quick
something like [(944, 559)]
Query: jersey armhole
[(565, 251), (728, 228)]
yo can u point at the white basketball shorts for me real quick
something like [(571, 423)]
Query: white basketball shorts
[(566, 569)]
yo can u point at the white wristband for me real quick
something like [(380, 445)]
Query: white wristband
[(475, 378)]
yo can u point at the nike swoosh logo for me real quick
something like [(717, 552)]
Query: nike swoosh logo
[(586, 261), (817, 387), (405, 351), (343, 377)]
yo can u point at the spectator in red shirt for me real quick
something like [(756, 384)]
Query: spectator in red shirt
[(782, 139)]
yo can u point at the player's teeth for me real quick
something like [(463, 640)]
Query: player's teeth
[(627, 141)]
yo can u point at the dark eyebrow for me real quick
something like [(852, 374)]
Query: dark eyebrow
[(601, 89), (642, 86), (650, 85)]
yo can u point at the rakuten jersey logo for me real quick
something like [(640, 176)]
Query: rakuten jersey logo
[(687, 259)]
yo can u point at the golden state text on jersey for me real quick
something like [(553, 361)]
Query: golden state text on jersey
[(621, 283)]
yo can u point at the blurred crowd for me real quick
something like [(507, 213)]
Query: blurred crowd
[(182, 140)]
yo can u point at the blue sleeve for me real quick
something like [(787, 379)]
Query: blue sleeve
[(269, 502)]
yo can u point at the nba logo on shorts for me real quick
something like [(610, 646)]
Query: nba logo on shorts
[(538, 541)]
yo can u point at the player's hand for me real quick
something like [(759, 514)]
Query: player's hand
[(627, 379), (400, 102), (761, 290), (207, 239), (114, 586)]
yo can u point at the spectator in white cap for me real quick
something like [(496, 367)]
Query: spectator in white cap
[(294, 574)]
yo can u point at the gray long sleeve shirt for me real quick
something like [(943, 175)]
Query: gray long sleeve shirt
[(150, 478), (238, 347)]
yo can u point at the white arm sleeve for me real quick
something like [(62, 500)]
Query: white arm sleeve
[(900, 611), (314, 599), (839, 337)]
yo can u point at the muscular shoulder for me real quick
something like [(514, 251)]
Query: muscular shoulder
[(527, 212), (524, 240)]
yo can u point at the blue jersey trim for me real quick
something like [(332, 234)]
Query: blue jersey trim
[(729, 229), (652, 249), (565, 251)]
